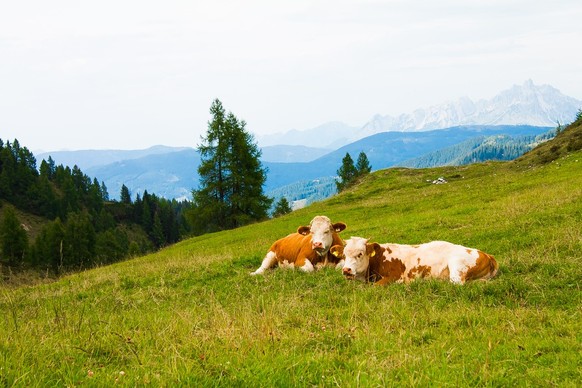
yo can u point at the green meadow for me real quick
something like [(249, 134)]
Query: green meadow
[(190, 315)]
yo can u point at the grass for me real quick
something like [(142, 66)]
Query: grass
[(191, 314)]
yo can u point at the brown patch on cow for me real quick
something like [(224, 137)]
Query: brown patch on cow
[(391, 270), (388, 250), (421, 271), (485, 268), (337, 251), (469, 251)]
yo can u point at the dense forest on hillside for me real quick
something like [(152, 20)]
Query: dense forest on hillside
[(79, 226), (480, 149)]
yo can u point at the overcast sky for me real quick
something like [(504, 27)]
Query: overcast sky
[(130, 74)]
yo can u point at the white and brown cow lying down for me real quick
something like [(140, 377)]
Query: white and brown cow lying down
[(386, 263), (307, 249)]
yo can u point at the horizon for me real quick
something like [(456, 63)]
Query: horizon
[(112, 76)]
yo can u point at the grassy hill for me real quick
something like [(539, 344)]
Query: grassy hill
[(192, 315)]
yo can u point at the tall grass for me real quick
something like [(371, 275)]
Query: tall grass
[(191, 314)]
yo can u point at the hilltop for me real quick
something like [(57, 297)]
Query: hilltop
[(191, 315)]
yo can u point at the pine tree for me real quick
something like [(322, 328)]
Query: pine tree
[(282, 207), (231, 176), (79, 241), (347, 173), (48, 246), (13, 238), (363, 164), (125, 195)]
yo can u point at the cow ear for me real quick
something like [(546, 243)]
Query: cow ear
[(304, 230), (373, 249), (337, 250), (339, 226)]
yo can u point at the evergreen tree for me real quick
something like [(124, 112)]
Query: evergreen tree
[(125, 195), (363, 164), (104, 193), (157, 232), (48, 246), (79, 241), (282, 207), (13, 238), (48, 168), (231, 176), (347, 173)]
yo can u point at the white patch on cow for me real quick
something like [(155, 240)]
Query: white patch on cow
[(286, 264), (268, 262), (307, 267), (356, 260), (321, 230)]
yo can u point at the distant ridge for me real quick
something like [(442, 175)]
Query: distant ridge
[(525, 104), (86, 159)]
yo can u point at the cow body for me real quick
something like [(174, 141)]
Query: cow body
[(307, 249), (385, 263)]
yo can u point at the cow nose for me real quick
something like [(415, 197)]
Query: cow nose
[(347, 271), (317, 244)]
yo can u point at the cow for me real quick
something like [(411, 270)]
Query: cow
[(307, 249), (387, 263)]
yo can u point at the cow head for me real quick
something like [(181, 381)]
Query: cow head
[(321, 230), (357, 254)]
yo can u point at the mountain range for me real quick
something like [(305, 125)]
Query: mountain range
[(293, 162), (525, 104)]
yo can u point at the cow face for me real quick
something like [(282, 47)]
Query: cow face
[(321, 230), (357, 254)]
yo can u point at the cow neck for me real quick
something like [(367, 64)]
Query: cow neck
[(373, 273)]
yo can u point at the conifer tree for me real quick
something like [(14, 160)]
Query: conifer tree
[(13, 238), (347, 173), (363, 164), (282, 207), (230, 193)]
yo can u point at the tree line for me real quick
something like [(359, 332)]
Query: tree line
[(82, 227)]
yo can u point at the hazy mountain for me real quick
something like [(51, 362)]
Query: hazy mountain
[(291, 153), (387, 149), (169, 175), (86, 159), (329, 135), (526, 104)]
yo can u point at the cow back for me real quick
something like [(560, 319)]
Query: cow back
[(289, 248)]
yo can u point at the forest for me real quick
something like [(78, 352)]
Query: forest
[(76, 225), (479, 149)]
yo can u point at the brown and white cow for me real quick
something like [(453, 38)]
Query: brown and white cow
[(307, 249), (386, 263)]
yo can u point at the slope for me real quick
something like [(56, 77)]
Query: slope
[(479, 149), (191, 314), (567, 140)]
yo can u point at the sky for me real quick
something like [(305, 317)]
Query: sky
[(130, 74)]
